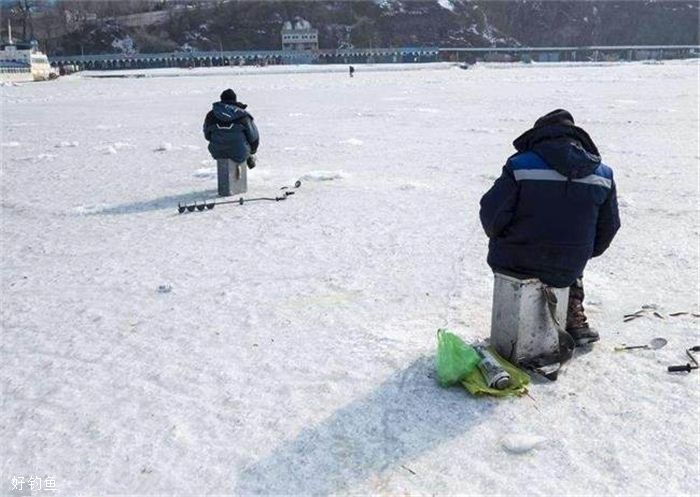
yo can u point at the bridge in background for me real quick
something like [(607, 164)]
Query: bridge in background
[(252, 57), (571, 54), (376, 55)]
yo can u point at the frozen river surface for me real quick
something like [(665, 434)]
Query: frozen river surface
[(287, 348)]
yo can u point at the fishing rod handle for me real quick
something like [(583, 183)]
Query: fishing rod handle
[(677, 369)]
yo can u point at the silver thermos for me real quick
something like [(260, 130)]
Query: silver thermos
[(495, 376)]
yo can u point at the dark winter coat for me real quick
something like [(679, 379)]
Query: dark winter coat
[(231, 132), (553, 208)]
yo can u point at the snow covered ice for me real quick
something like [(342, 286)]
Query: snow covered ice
[(293, 350)]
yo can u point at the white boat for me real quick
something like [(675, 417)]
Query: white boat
[(23, 61)]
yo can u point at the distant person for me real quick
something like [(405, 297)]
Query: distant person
[(553, 208), (231, 131), (352, 71)]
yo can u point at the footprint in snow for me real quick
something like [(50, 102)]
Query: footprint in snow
[(323, 175), (205, 172), (520, 444), (164, 147), (66, 145)]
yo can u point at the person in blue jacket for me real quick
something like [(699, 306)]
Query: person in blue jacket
[(552, 209), (231, 131)]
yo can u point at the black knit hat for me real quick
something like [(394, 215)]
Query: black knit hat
[(559, 116), (228, 96)]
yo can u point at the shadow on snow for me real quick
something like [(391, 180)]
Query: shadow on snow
[(406, 416), (160, 203)]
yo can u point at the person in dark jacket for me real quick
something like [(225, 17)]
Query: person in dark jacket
[(552, 209), (231, 131)]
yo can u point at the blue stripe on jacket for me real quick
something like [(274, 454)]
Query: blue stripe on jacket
[(530, 161)]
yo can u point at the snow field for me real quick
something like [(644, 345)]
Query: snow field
[(292, 352)]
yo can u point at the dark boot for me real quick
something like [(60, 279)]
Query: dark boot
[(576, 321)]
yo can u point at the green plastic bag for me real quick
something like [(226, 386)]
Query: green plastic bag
[(455, 359)]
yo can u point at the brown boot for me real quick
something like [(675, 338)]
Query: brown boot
[(576, 321)]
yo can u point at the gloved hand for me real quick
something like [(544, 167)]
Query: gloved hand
[(251, 161)]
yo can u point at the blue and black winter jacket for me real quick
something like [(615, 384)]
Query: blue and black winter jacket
[(553, 208), (231, 132)]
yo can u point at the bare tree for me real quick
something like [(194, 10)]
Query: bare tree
[(22, 12)]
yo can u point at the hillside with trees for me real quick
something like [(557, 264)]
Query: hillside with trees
[(95, 26)]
